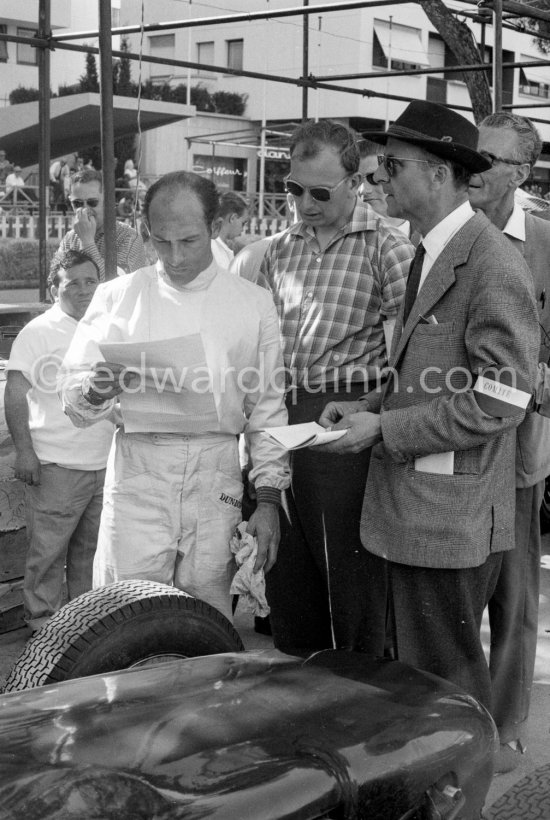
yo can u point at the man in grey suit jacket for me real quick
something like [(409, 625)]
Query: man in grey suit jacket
[(439, 502), (512, 144)]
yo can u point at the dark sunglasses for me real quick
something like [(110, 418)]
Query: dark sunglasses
[(82, 203), (321, 193), (492, 158), (390, 163)]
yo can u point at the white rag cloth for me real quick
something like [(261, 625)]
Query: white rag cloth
[(248, 584)]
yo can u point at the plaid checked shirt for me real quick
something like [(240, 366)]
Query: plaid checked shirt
[(332, 303), (130, 252)]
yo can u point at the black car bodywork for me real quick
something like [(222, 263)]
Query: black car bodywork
[(246, 735)]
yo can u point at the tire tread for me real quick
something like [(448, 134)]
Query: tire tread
[(51, 654)]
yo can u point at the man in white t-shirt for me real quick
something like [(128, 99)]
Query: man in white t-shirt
[(232, 215), (15, 180), (63, 467)]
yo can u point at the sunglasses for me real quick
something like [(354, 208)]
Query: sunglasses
[(492, 158), (321, 193), (390, 163), (82, 203)]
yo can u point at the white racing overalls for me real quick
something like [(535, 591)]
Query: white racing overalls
[(170, 507)]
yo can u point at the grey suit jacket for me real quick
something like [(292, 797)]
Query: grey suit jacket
[(533, 437), (481, 292)]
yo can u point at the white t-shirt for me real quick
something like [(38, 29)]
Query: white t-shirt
[(37, 353), (222, 253)]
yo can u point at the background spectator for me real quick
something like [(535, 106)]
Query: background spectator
[(5, 167), (232, 217), (87, 232), (63, 467)]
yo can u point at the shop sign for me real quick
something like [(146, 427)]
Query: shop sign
[(274, 153)]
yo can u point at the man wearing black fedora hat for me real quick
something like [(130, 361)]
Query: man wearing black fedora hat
[(438, 511)]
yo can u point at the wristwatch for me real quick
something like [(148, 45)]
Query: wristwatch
[(92, 397)]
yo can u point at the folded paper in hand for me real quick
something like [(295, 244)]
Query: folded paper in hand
[(309, 434)]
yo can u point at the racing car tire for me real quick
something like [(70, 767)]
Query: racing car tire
[(118, 626)]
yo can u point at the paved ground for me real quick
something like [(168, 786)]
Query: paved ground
[(537, 756)]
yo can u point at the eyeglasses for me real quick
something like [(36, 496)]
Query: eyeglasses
[(390, 163), (82, 203), (492, 158), (321, 193)]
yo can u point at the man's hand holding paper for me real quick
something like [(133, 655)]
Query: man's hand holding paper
[(363, 428), (164, 397), (109, 379)]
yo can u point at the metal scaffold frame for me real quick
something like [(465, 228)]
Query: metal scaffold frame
[(46, 41)]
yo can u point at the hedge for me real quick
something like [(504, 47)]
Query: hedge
[(19, 262)]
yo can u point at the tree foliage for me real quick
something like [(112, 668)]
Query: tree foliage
[(227, 102), (539, 27), (124, 78), (22, 94), (220, 102), (66, 90), (89, 81)]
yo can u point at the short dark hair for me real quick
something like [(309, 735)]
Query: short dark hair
[(368, 148), (461, 174), (311, 137), (177, 181), (232, 203), (66, 261), (530, 143), (87, 175)]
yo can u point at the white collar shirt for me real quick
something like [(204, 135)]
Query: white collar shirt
[(515, 227), (439, 237)]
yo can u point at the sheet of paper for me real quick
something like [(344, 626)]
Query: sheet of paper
[(172, 393), (440, 463), (309, 434), (388, 326)]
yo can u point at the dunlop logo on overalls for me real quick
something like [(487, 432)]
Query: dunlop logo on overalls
[(228, 499)]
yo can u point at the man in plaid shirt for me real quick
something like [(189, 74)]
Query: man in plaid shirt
[(337, 277), (87, 233)]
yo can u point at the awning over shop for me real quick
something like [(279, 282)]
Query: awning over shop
[(401, 43), (75, 123), (537, 75)]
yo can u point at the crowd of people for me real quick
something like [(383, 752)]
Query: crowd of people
[(403, 306), (19, 190)]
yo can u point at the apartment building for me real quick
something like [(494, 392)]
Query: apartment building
[(19, 61), (369, 39)]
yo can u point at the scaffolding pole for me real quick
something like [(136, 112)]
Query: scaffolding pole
[(305, 62), (44, 147), (497, 56), (107, 138)]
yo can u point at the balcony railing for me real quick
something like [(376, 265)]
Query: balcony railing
[(19, 216)]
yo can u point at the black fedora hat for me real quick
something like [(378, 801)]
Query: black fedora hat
[(438, 130)]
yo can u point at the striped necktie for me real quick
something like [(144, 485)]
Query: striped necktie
[(413, 280)]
